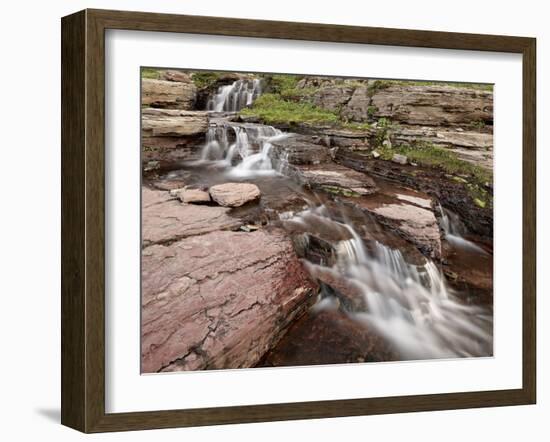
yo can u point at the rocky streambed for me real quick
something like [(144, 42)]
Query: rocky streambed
[(271, 246)]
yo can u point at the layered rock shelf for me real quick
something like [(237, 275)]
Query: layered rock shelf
[(302, 220)]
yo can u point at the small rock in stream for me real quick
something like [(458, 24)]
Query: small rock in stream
[(234, 194), (191, 196), (399, 159)]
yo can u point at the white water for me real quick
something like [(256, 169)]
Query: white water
[(455, 230), (246, 156), (410, 306), (248, 152), (234, 97)]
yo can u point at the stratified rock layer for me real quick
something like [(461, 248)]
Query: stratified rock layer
[(165, 218), (171, 94), (433, 105), (219, 300)]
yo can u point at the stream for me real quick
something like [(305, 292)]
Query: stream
[(377, 290)]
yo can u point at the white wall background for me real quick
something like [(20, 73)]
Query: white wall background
[(30, 217)]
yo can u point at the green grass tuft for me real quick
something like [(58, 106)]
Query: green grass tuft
[(429, 155), (153, 74), (205, 80), (273, 109)]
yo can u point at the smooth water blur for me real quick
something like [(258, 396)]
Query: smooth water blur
[(455, 231), (248, 155), (410, 306), (236, 96)]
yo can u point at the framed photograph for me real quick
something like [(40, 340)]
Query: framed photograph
[(267, 221)]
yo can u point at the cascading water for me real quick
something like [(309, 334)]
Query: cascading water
[(410, 306), (234, 97), (455, 231), (248, 155), (250, 149)]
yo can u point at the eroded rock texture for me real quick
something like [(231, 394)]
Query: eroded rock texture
[(219, 300), (433, 105), (169, 94), (165, 218)]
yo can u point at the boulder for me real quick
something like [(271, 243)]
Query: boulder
[(332, 98), (165, 219), (173, 75), (437, 105), (172, 122), (219, 300), (187, 195), (234, 194), (171, 134), (414, 223), (168, 94), (399, 159), (357, 108), (299, 149), (336, 179)]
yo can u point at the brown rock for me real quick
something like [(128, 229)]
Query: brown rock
[(357, 108), (168, 94), (332, 98), (165, 219), (335, 178), (179, 76), (299, 149), (187, 195), (219, 300), (172, 122), (399, 159), (433, 105), (416, 224), (234, 194)]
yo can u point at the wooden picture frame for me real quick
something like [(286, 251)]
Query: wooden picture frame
[(83, 220)]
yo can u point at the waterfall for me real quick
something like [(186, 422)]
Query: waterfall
[(250, 149), (234, 97), (455, 230), (410, 306)]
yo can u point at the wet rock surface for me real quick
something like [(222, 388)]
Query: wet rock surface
[(298, 149), (449, 191), (327, 336), (336, 179), (275, 245)]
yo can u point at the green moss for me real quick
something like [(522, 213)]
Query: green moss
[(371, 110), (458, 179), (205, 80), (477, 125), (150, 73), (273, 109), (429, 155), (356, 126), (480, 203)]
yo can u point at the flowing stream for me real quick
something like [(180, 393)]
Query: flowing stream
[(455, 231), (411, 306), (234, 97), (243, 148)]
